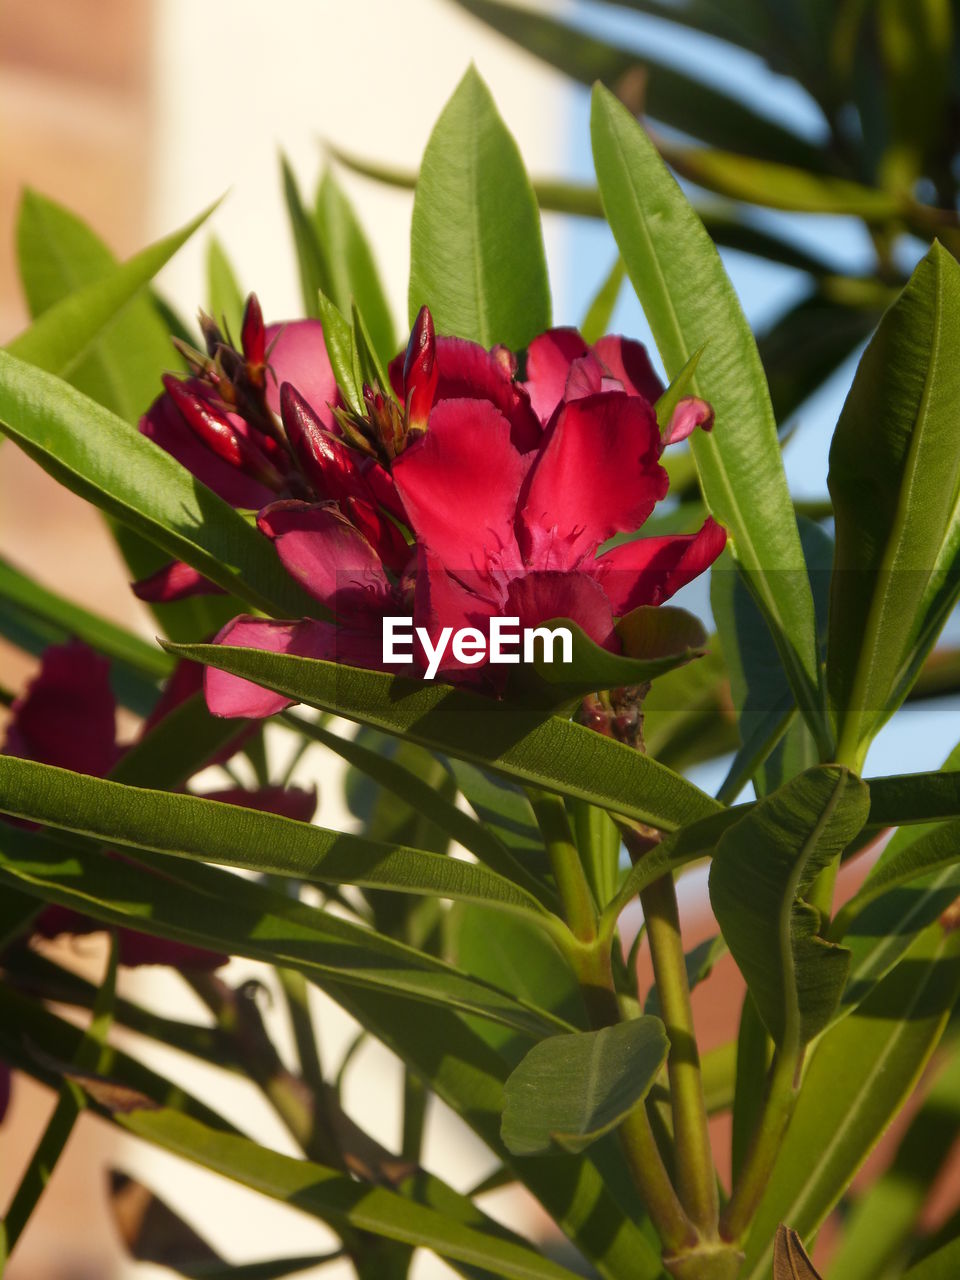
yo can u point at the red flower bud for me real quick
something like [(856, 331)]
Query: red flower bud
[(380, 531), (220, 435), (327, 463), (420, 371), (253, 334)]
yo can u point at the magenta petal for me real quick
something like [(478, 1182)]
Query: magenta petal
[(470, 372), (585, 379), (232, 696), (163, 424), (175, 581), (334, 561), (651, 570), (286, 802), (542, 595), (297, 353), (67, 714), (459, 484), (629, 363), (549, 358), (689, 414), (442, 600), (597, 474)]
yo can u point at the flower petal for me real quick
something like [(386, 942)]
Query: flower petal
[(442, 600), (470, 372), (651, 570), (596, 475), (322, 549), (544, 594), (297, 353), (163, 424), (549, 358), (689, 413), (67, 714), (459, 484), (175, 581), (629, 363), (231, 696)]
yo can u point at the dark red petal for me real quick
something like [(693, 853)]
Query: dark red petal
[(459, 484), (297, 353), (651, 570), (218, 431), (420, 370), (166, 427), (549, 358), (629, 363), (469, 372), (232, 696), (67, 714), (175, 581), (322, 549), (597, 474), (541, 595), (442, 600), (380, 531)]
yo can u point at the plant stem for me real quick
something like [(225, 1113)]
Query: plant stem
[(696, 1177), (764, 1148), (575, 896)]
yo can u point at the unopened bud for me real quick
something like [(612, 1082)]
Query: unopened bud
[(253, 334), (420, 371), (220, 435)]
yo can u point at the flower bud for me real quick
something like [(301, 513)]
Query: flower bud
[(220, 435), (253, 334), (327, 463), (420, 371)]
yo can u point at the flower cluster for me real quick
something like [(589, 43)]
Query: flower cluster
[(459, 493)]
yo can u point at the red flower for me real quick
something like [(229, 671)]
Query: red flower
[(67, 717), (509, 494)]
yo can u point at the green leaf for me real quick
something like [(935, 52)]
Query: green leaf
[(107, 461), (183, 741), (335, 1198), (690, 304), (314, 270), (220, 911), (895, 484), (941, 1265), (353, 271), (909, 798), (781, 186), (59, 1127), (600, 312), (884, 1217), (338, 337), (656, 639), (63, 335), (477, 257), (224, 295), (570, 1090), (58, 255), (426, 800), (857, 1080), (760, 872), (668, 94), (754, 1052), (190, 827), (514, 741)]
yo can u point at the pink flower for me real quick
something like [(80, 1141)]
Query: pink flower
[(67, 717), (509, 494)]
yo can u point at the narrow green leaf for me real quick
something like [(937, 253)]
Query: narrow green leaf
[(909, 798), (514, 741), (63, 335), (190, 827), (59, 1127), (667, 94), (600, 312), (109, 463), (353, 271), (220, 911), (941, 1265), (224, 295), (754, 1052), (897, 566), (939, 849), (761, 869), (314, 270), (338, 337), (690, 304), (570, 1090), (857, 1080), (477, 257)]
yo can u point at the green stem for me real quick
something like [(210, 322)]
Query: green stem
[(696, 1177), (575, 896), (764, 1148)]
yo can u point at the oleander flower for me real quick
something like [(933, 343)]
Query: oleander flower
[(507, 508), (66, 717)]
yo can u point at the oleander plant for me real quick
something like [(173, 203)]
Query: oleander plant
[(450, 560)]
